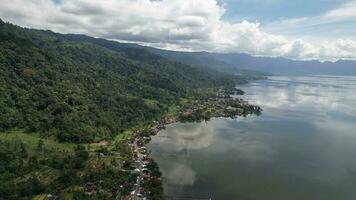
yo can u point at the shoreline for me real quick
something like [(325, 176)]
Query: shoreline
[(218, 105)]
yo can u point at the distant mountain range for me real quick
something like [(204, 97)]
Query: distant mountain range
[(285, 66), (241, 63), (245, 64)]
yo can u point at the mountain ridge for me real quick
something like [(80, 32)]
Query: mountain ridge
[(78, 90), (233, 62)]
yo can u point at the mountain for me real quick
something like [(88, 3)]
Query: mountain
[(285, 66), (239, 63), (208, 60), (200, 60), (82, 89)]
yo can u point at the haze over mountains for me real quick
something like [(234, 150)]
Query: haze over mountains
[(242, 63), (238, 63), (245, 63)]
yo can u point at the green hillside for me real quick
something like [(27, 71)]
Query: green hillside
[(82, 89)]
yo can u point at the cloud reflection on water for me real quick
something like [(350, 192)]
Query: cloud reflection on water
[(179, 174), (302, 146), (301, 92), (189, 136), (177, 139)]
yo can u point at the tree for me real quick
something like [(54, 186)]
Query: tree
[(40, 147)]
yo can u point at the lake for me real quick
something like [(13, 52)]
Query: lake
[(302, 147)]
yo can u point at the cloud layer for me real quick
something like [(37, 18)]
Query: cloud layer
[(192, 25)]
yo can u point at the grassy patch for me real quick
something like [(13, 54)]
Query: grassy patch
[(40, 197), (172, 111), (183, 101), (124, 136), (31, 140)]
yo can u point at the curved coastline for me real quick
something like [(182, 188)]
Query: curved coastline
[(219, 104)]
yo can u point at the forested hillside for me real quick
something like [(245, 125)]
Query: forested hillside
[(199, 60), (68, 105), (211, 61), (82, 89)]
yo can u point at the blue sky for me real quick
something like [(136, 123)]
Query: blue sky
[(297, 29), (270, 10)]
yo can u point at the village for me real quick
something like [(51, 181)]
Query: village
[(225, 103), (145, 177), (222, 104)]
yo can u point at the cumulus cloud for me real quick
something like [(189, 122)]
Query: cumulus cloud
[(191, 25)]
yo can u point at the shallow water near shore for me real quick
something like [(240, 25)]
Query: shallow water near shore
[(303, 146)]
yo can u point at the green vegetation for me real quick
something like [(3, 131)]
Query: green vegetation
[(216, 102), (32, 139), (83, 91), (67, 172), (63, 97)]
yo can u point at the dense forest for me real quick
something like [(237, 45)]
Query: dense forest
[(81, 90), (61, 95)]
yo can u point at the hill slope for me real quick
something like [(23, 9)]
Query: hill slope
[(79, 90)]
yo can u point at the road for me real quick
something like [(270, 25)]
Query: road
[(139, 163)]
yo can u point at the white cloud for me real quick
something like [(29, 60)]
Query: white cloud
[(344, 12), (341, 14), (174, 24)]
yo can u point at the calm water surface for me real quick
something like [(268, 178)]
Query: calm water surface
[(302, 147)]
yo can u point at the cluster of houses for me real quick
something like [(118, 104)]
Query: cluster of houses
[(142, 159), (221, 105), (141, 156)]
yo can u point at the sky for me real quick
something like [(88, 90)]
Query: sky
[(296, 29)]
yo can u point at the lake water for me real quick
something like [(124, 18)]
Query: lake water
[(302, 147)]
